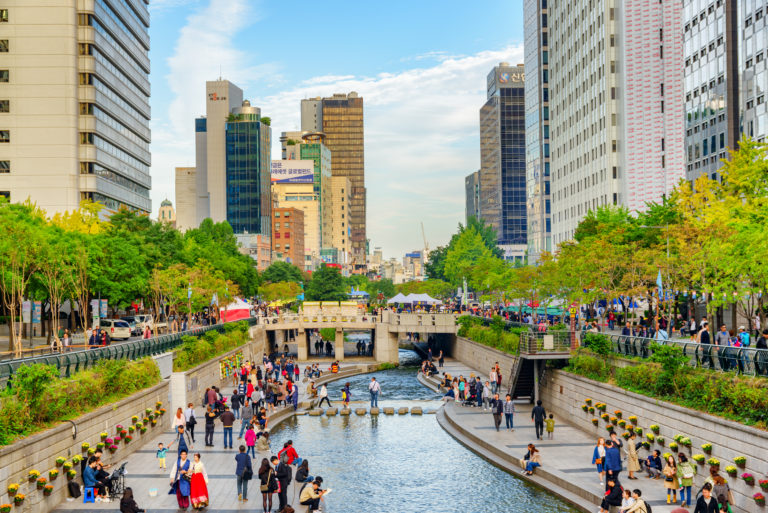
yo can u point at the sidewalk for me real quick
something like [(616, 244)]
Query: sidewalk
[(566, 460)]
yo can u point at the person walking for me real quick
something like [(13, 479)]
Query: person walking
[(227, 420), (487, 396), (706, 503), (670, 479), (612, 461), (685, 474), (246, 417), (180, 481), (189, 414), (509, 412), (550, 422), (497, 408), (244, 472), (182, 440), (179, 419), (322, 393), (284, 474), (492, 379), (250, 440), (210, 417), (268, 483), (598, 458), (633, 461), (538, 414), (199, 484), (374, 388), (235, 401)]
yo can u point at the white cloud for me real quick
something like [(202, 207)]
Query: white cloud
[(421, 124)]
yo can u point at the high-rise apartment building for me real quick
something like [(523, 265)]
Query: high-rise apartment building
[(248, 162), (340, 119), (74, 103), (186, 196), (502, 159), (753, 54), (472, 195), (288, 235), (615, 105), (537, 165)]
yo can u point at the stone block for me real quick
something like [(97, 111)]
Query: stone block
[(345, 411), (360, 411), (374, 411), (316, 413), (402, 410), (388, 410), (331, 412), (416, 410)]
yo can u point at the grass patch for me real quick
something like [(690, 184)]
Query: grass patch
[(196, 350)]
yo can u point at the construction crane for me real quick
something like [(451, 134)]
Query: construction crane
[(426, 246)]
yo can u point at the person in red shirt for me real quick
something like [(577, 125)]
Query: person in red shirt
[(249, 389), (290, 452)]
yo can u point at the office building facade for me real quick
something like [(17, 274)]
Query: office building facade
[(248, 164), (340, 119), (537, 165), (186, 196), (502, 159), (288, 236), (752, 63), (74, 107), (472, 195)]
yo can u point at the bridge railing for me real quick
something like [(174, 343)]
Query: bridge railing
[(545, 343), (298, 319), (416, 320), (70, 362), (742, 360)]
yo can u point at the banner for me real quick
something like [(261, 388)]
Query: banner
[(293, 171), (26, 312), (37, 309)]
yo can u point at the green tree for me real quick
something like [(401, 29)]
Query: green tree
[(283, 290), (487, 233), (326, 285), (282, 271), (463, 256), (435, 266)]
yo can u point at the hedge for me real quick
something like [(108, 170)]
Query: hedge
[(740, 398), (40, 398), (196, 350), (495, 335)]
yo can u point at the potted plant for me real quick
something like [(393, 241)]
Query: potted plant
[(5, 508), (135, 419), (131, 429), (41, 482), (158, 405), (713, 462), (706, 447), (602, 407), (731, 470), (650, 436), (162, 411), (618, 413), (71, 474), (143, 430), (117, 440), (13, 488), (76, 459), (18, 499), (609, 428), (740, 461), (60, 461), (123, 432), (763, 484), (591, 409), (47, 490), (145, 421), (759, 499), (686, 442), (605, 417), (633, 419), (588, 401), (631, 428), (673, 446), (118, 428), (595, 421), (100, 446), (666, 456), (625, 435), (91, 451), (585, 408), (699, 458), (147, 411), (748, 478), (112, 448), (622, 423), (655, 428), (614, 420), (154, 422), (647, 444), (104, 435), (67, 465), (128, 439), (85, 446), (678, 437), (53, 474), (660, 440), (33, 475), (639, 431), (108, 442)]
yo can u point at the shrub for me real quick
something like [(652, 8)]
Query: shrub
[(588, 364), (194, 351), (597, 343)]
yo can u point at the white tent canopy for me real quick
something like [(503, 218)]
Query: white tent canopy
[(424, 298), (399, 298)]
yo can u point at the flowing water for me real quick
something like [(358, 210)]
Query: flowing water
[(403, 464)]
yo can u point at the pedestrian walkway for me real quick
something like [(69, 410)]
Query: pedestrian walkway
[(566, 460)]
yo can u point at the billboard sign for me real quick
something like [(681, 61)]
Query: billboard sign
[(293, 171)]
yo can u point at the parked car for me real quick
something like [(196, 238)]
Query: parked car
[(118, 329), (136, 326)]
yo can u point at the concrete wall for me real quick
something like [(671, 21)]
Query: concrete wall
[(39, 451), (479, 357), (564, 393)]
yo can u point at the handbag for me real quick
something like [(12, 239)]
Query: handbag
[(669, 479), (247, 474), (598, 461), (265, 487), (187, 477)]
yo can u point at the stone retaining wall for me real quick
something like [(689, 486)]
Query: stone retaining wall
[(480, 357), (564, 393), (39, 451)]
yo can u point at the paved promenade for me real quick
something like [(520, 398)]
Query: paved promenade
[(566, 460)]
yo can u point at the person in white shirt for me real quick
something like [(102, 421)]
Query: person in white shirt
[(323, 395), (374, 388)]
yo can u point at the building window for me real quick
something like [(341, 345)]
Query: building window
[(86, 137), (3, 46), (4, 75), (5, 106), (661, 52), (287, 235), (662, 144), (277, 235), (3, 15), (286, 225), (5, 166), (277, 225), (662, 106), (661, 86), (5, 136), (287, 247), (661, 34), (287, 214), (277, 247)]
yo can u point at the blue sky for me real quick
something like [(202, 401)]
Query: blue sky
[(419, 65)]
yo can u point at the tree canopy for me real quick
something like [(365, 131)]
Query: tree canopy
[(326, 285)]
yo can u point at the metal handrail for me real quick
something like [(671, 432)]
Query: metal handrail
[(73, 361), (749, 361), (545, 342)]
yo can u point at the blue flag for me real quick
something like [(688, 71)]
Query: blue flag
[(660, 284)]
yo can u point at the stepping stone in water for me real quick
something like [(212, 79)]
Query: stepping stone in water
[(361, 411), (331, 412), (402, 411), (388, 410), (374, 411), (315, 413), (416, 410), (345, 411)]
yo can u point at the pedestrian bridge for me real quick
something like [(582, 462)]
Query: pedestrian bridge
[(386, 327)]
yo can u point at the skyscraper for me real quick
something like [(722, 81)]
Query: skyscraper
[(472, 195), (502, 159), (752, 63), (186, 198), (616, 105), (340, 118), (74, 111), (248, 163), (537, 129)]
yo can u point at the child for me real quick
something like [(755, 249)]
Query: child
[(161, 455), (250, 440), (345, 398), (626, 500), (550, 422)]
